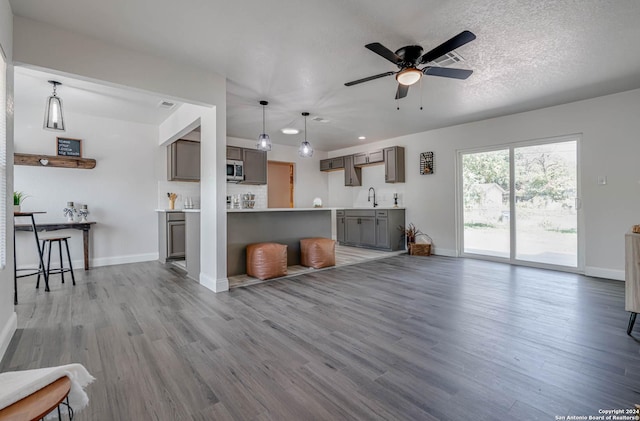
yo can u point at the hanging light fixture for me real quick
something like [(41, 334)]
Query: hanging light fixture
[(264, 141), (53, 119), (305, 151)]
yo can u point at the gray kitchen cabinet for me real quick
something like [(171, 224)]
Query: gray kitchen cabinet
[(366, 158), (183, 158), (171, 236), (370, 228), (234, 153), (332, 164), (352, 174), (394, 164), (255, 166), (192, 244), (340, 226), (360, 227), (382, 230)]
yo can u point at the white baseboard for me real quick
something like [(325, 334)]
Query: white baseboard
[(119, 260), (444, 252), (100, 261), (7, 333), (596, 272), (215, 285)]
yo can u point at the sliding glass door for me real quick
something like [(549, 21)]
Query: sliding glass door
[(519, 203)]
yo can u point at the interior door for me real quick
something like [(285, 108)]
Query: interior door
[(279, 184)]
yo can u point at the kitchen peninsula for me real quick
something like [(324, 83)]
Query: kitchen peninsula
[(279, 225)]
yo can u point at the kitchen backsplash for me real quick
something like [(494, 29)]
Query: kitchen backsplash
[(259, 191), (183, 190)]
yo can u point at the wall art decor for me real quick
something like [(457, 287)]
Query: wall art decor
[(426, 163)]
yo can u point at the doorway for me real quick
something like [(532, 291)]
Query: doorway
[(519, 203), (280, 184)]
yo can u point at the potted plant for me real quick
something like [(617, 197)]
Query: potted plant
[(18, 198), (409, 232)]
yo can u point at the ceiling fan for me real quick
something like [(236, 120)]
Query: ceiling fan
[(410, 57)]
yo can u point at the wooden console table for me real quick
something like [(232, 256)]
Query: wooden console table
[(83, 226)]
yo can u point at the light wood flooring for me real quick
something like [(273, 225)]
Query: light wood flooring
[(345, 256), (403, 338)]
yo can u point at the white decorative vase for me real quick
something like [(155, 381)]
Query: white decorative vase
[(16, 208)]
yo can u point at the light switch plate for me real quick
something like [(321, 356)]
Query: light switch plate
[(602, 180)]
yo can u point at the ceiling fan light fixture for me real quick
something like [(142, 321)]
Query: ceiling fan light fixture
[(264, 141), (305, 150), (409, 76)]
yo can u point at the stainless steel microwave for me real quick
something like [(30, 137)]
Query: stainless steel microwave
[(235, 172)]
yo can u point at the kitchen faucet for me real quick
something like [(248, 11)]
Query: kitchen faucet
[(374, 197)]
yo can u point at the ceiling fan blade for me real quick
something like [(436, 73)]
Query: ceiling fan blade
[(383, 51), (367, 79), (402, 91), (447, 72), (458, 41)]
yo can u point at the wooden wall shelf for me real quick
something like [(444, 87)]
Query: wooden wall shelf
[(53, 161)]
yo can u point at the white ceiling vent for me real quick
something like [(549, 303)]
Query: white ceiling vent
[(320, 119), (166, 104), (448, 59)]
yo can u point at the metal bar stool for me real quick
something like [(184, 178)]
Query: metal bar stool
[(48, 242), (15, 268)]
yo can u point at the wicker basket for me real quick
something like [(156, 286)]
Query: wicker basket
[(416, 249)]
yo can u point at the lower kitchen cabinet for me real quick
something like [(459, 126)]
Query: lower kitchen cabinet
[(171, 236), (371, 228), (340, 226)]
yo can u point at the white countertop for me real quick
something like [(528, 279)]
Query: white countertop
[(178, 210), (278, 210), (307, 209)]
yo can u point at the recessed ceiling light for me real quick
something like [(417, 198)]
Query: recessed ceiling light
[(362, 137), (289, 130)]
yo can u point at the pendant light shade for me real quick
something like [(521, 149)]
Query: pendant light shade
[(264, 141), (53, 118), (305, 151)]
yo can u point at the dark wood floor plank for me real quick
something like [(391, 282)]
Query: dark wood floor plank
[(404, 338)]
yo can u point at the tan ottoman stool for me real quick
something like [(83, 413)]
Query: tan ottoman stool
[(317, 252), (266, 260)]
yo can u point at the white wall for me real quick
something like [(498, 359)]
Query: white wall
[(120, 191), (8, 320), (308, 181), (609, 127)]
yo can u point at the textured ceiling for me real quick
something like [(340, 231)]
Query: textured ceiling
[(298, 55)]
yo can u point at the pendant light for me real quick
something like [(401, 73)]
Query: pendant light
[(53, 119), (264, 141), (305, 151)]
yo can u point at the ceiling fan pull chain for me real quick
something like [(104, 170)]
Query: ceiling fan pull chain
[(397, 104), (421, 94)]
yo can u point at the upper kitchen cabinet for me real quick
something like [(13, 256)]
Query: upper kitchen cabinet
[(255, 166), (394, 164), (366, 158), (352, 174), (234, 153), (332, 164), (183, 158)]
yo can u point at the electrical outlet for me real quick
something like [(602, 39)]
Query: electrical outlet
[(602, 180)]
